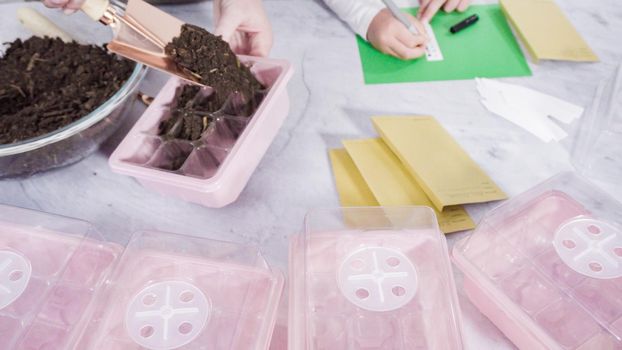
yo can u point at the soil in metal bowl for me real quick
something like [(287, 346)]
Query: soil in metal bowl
[(47, 84)]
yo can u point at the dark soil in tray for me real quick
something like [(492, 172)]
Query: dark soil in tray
[(46, 84), (191, 114), (212, 62)]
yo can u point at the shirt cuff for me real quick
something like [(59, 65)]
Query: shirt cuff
[(361, 24)]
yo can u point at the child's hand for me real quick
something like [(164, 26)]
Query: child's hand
[(430, 7), (391, 37), (68, 6), (244, 25)]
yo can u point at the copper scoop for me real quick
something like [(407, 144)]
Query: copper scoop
[(141, 32)]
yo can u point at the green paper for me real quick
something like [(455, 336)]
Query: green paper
[(486, 49)]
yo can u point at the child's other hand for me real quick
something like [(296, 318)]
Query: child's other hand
[(391, 37), (430, 7), (244, 25), (68, 6)]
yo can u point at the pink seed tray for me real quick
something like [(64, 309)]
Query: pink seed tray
[(179, 292), (546, 267), (372, 278), (63, 288), (214, 170), (50, 270)]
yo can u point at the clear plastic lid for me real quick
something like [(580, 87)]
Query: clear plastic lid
[(179, 292), (597, 149), (50, 270), (549, 262), (372, 278)]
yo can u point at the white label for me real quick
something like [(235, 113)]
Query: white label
[(167, 315), (378, 279), (15, 271), (432, 50)]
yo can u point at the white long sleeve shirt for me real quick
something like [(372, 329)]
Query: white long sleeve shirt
[(358, 14)]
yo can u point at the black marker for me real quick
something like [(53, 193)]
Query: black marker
[(464, 24)]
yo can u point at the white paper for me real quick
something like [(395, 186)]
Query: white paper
[(496, 104), (529, 109), (432, 50), (538, 102)]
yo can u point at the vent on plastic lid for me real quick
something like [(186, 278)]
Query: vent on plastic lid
[(167, 315), (590, 247), (15, 271), (378, 279)]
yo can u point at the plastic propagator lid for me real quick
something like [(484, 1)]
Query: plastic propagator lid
[(378, 279), (372, 278), (50, 267), (180, 292), (546, 266), (598, 140), (167, 315), (15, 271), (590, 247)]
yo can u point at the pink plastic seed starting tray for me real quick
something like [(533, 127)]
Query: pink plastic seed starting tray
[(62, 287), (546, 267), (50, 270), (372, 278), (217, 168), (179, 292)]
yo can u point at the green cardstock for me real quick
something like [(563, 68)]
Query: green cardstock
[(486, 49)]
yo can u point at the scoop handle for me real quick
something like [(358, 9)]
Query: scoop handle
[(40, 25), (95, 8)]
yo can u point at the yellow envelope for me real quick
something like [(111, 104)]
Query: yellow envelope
[(546, 31), (353, 192), (392, 185), (445, 172)]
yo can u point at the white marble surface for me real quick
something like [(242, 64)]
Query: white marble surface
[(329, 102)]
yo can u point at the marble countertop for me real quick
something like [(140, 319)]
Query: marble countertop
[(329, 102)]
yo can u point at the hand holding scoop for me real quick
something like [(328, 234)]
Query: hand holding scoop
[(141, 32)]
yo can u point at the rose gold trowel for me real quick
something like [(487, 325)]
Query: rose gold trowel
[(141, 32)]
